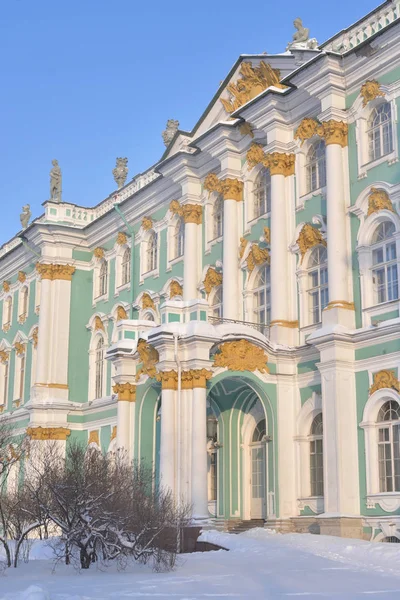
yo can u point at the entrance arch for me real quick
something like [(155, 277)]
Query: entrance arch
[(246, 456)]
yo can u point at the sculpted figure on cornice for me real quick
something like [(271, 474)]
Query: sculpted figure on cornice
[(120, 172), (55, 182), (385, 379), (379, 200), (370, 90), (301, 38), (241, 355), (253, 81), (149, 357), (170, 131), (25, 216), (309, 237)]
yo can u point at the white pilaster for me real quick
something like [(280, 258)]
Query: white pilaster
[(167, 446), (230, 282), (199, 453)]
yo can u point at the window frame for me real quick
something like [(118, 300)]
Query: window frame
[(316, 441), (320, 288), (317, 165)]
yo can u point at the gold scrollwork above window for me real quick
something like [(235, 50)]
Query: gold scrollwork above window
[(147, 223), (192, 213), (379, 200), (175, 289), (212, 279), (241, 355), (253, 81), (175, 207), (231, 189), (19, 348), (98, 252), (121, 238), (278, 163), (147, 301), (35, 337), (257, 256), (21, 276), (6, 286), (309, 237), (385, 379), (307, 129), (98, 324), (4, 356), (370, 90), (121, 313)]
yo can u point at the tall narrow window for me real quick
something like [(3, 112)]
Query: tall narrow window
[(317, 457), (4, 366), (152, 253), (99, 367), (380, 133), (389, 447), (179, 238), (384, 263), (21, 377), (103, 278), (23, 306), (126, 266), (316, 167), (216, 306), (7, 314), (318, 283), (262, 193), (262, 296), (218, 217)]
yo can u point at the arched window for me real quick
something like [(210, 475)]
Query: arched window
[(103, 278), (262, 193), (7, 313), (316, 457), (389, 447), (151, 253), (384, 263), (218, 218), (316, 167), (23, 304), (259, 432), (318, 283), (217, 303), (380, 134), (99, 368), (126, 266), (262, 296), (179, 238)]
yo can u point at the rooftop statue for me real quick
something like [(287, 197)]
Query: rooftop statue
[(170, 131), (25, 216), (301, 38), (120, 172), (55, 182)]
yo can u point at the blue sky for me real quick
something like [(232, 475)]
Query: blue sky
[(85, 81)]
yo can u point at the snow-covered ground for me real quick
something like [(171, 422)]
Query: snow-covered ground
[(260, 564)]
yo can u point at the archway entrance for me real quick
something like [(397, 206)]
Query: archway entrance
[(241, 456)]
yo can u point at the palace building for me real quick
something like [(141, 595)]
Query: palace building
[(231, 316)]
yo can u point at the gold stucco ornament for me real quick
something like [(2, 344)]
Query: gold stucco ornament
[(6, 286), (256, 156), (98, 252), (4, 356), (246, 129), (121, 313), (334, 132), (147, 223), (48, 433), (113, 433), (126, 392), (307, 129), (147, 301), (257, 256), (35, 337), (267, 235), (241, 355), (379, 200), (19, 348), (370, 90), (175, 289), (98, 324), (168, 379), (231, 189), (21, 276), (253, 81), (242, 247), (309, 237), (385, 379), (192, 213), (278, 163), (53, 272), (212, 279), (121, 238), (94, 438), (175, 207), (149, 357)]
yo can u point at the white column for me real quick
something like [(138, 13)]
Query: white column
[(233, 193), (44, 332), (282, 326), (123, 422), (340, 307), (199, 450), (168, 435), (58, 359)]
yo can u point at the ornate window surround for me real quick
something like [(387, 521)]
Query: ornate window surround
[(4, 370), (173, 222), (20, 364), (23, 311), (145, 312), (368, 225), (96, 334), (144, 237), (310, 409), (97, 297), (7, 316), (388, 501), (249, 184), (208, 201), (120, 250), (360, 114), (302, 193)]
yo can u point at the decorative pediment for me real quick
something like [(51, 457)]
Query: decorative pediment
[(175, 289), (379, 200), (121, 313), (147, 301), (309, 237), (385, 379), (252, 81), (241, 355)]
